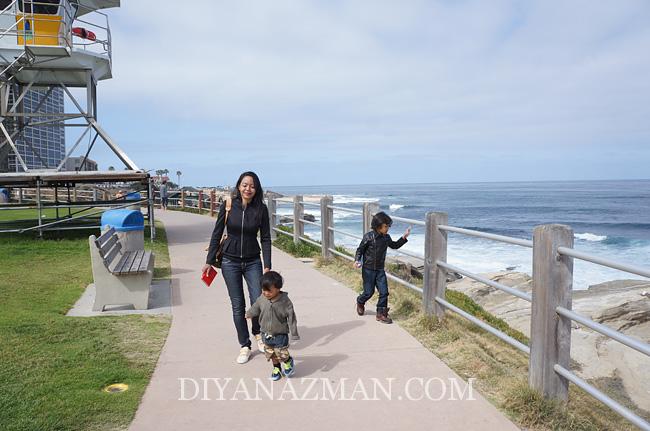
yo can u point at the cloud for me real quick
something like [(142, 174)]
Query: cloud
[(345, 78)]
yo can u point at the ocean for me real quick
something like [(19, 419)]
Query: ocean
[(609, 219)]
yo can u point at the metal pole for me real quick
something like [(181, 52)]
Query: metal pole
[(56, 200), (40, 208), (150, 209), (435, 277), (550, 333)]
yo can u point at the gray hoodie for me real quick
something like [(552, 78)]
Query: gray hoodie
[(277, 316)]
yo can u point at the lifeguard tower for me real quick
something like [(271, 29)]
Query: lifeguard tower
[(46, 44)]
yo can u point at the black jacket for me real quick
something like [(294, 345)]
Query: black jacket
[(372, 249), (243, 226)]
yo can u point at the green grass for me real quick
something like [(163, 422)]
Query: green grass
[(500, 370), (53, 366)]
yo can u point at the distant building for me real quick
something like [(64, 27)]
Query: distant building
[(74, 164), (47, 141)]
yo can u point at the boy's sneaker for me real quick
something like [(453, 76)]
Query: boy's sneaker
[(361, 309), (244, 355), (288, 367), (276, 374), (260, 342), (382, 315)]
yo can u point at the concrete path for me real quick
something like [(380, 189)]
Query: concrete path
[(352, 373)]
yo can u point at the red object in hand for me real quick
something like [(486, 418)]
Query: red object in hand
[(83, 33), (208, 276)]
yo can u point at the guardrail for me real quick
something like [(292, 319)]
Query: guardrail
[(201, 201), (551, 314)]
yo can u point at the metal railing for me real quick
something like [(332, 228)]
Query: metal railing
[(203, 201), (43, 23), (551, 312)]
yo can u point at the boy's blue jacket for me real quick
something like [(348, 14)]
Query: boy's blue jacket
[(372, 249)]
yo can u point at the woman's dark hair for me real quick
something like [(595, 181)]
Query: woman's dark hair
[(259, 193), (379, 219), (270, 279)]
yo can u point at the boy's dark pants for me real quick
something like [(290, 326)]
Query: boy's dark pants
[(372, 278)]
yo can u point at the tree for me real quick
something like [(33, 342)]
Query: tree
[(111, 168), (178, 174)]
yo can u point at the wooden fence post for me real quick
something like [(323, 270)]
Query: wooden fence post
[(435, 277), (369, 210), (327, 222), (550, 333), (272, 207), (200, 203), (211, 203), (298, 213)]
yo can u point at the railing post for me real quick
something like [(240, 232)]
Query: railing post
[(435, 277), (182, 198), (20, 195), (212, 203), (200, 203), (298, 213), (550, 333), (369, 209), (272, 207), (327, 222)]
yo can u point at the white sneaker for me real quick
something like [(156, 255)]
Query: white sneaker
[(244, 355), (260, 342)]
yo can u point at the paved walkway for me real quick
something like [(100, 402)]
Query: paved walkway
[(338, 349)]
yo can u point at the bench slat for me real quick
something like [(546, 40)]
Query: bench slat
[(106, 247), (110, 256), (135, 266), (130, 257), (104, 237), (144, 265), (120, 263)]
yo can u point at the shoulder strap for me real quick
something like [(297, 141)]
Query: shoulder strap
[(225, 222)]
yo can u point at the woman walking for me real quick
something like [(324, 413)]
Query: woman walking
[(248, 215)]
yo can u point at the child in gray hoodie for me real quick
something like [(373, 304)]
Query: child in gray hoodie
[(277, 319)]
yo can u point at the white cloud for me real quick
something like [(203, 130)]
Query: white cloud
[(351, 76)]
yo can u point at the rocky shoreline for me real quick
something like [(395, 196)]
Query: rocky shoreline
[(623, 305)]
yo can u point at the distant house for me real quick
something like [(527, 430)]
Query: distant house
[(74, 164)]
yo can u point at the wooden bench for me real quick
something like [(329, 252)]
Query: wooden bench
[(121, 277)]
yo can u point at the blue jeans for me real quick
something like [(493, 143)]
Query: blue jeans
[(233, 271), (372, 278)]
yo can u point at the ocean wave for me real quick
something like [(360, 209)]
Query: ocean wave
[(592, 237), (346, 199), (395, 207)]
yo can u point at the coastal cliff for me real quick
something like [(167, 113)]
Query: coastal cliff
[(623, 305)]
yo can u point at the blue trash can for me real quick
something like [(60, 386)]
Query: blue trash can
[(133, 196), (4, 196), (129, 225)]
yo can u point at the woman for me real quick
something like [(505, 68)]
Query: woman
[(241, 254)]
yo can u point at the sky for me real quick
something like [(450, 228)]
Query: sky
[(374, 91)]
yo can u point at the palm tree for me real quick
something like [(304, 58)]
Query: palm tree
[(178, 174)]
